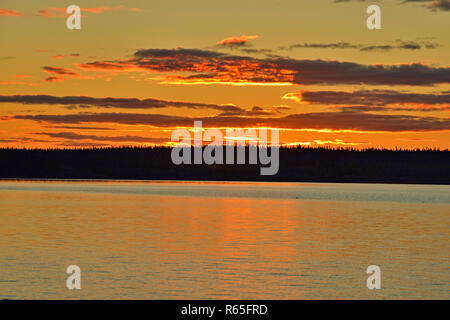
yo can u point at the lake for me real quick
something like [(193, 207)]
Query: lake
[(223, 240)]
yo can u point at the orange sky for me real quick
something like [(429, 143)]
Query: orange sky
[(137, 70)]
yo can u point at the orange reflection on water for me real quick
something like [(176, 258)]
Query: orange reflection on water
[(178, 244)]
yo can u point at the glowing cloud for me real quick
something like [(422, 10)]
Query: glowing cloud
[(237, 41)]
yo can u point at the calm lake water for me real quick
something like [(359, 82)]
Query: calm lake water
[(224, 240)]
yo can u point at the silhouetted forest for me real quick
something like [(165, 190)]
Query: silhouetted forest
[(296, 164)]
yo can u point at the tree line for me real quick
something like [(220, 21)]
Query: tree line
[(302, 164)]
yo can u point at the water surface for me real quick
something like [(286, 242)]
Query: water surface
[(223, 240)]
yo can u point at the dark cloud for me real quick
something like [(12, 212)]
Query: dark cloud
[(79, 128), (377, 48), (370, 97), (60, 74), (255, 111), (59, 71), (399, 44), (281, 109), (337, 45), (126, 103), (126, 138), (78, 106), (430, 45), (409, 45), (319, 120), (76, 144), (256, 51), (441, 5), (203, 66), (387, 108), (21, 140), (54, 79)]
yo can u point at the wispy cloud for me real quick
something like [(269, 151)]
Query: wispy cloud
[(398, 44), (59, 71), (61, 74), (60, 56), (334, 45), (10, 13), (55, 79)]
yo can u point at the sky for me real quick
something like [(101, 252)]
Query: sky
[(139, 69)]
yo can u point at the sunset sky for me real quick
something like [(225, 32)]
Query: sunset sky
[(139, 69)]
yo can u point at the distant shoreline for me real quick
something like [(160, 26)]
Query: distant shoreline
[(204, 181), (301, 165)]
